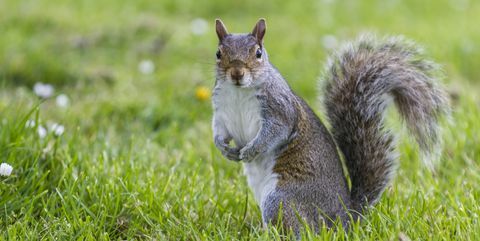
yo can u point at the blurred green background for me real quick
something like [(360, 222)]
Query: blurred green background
[(136, 160)]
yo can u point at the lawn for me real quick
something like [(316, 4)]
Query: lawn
[(120, 145)]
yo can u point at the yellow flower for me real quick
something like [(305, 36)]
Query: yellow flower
[(202, 93)]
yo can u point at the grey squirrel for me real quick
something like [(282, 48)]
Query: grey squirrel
[(290, 158)]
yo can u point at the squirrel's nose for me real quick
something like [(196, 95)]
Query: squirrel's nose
[(237, 74)]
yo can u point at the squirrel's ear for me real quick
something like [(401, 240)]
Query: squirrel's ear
[(259, 30), (221, 29)]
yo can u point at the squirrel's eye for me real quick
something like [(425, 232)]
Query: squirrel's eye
[(219, 55), (258, 53)]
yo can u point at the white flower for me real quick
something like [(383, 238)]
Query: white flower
[(57, 129), (62, 100), (329, 42), (5, 169), (42, 132), (43, 90), (30, 124), (146, 66), (199, 26)]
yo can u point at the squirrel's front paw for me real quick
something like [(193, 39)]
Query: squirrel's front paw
[(247, 153), (230, 153)]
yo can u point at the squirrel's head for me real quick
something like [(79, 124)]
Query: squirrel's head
[(240, 57)]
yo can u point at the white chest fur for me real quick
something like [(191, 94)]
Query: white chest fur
[(239, 111)]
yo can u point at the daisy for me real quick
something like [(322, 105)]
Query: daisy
[(5, 169), (43, 90)]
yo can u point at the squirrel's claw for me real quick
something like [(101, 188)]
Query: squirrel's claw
[(232, 154)]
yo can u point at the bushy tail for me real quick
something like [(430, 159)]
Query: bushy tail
[(361, 81)]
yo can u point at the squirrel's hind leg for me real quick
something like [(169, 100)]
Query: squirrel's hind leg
[(277, 211)]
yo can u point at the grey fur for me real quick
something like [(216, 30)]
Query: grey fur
[(362, 80), (311, 183)]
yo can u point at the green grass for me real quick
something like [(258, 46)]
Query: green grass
[(137, 161)]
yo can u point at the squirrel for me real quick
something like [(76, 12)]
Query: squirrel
[(290, 158)]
